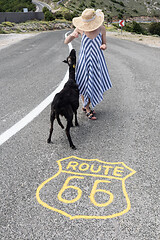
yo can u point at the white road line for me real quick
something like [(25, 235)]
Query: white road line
[(35, 112)]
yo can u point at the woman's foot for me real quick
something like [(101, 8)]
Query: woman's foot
[(91, 116), (84, 110)]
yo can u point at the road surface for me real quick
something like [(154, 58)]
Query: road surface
[(107, 188)]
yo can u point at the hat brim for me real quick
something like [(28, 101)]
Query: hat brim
[(88, 26)]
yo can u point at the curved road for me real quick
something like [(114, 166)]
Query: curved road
[(40, 5), (114, 197)]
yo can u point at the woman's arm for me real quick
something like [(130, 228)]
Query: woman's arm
[(72, 36), (104, 40)]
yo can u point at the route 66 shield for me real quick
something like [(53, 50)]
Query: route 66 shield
[(87, 188)]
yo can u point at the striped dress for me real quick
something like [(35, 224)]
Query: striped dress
[(91, 73)]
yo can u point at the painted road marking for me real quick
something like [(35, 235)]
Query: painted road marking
[(35, 112), (87, 188)]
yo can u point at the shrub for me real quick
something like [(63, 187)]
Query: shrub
[(75, 14), (135, 10), (2, 31), (92, 5), (68, 16), (49, 16), (136, 27), (154, 28), (45, 9), (59, 15), (82, 5), (122, 4), (128, 28), (116, 25), (8, 24), (120, 16)]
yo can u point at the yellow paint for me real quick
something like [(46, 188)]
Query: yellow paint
[(95, 171), (79, 168), (95, 190), (107, 169), (116, 170), (72, 165), (79, 191), (84, 167)]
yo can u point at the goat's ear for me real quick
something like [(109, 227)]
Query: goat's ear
[(65, 61)]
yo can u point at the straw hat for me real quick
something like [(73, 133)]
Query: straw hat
[(90, 20)]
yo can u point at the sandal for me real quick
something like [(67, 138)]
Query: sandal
[(84, 110), (91, 116)]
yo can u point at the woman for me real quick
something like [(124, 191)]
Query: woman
[(91, 73)]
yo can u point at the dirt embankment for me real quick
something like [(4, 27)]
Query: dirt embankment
[(152, 41)]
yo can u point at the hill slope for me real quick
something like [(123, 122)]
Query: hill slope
[(119, 8)]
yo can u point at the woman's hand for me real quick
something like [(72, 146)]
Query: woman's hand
[(74, 34), (70, 37), (103, 46)]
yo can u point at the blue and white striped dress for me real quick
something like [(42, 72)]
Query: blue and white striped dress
[(91, 73)]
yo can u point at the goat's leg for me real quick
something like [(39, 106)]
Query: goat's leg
[(69, 123), (52, 118), (59, 121), (76, 121)]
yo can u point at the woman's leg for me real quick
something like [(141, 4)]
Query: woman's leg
[(84, 108), (88, 108), (89, 112), (82, 97)]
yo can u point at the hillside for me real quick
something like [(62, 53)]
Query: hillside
[(113, 9), (118, 8), (16, 5)]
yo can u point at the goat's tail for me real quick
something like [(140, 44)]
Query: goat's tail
[(59, 121)]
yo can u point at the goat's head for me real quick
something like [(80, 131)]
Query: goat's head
[(71, 59)]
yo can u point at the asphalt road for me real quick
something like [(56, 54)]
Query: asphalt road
[(113, 196)]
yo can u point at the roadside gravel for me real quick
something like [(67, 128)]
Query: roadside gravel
[(9, 39)]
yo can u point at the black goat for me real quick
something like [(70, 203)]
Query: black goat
[(66, 102)]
